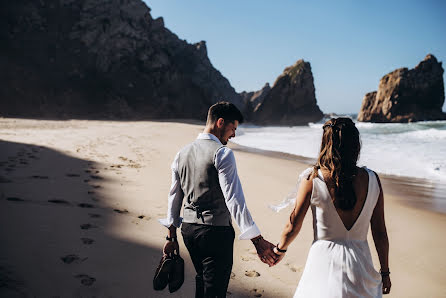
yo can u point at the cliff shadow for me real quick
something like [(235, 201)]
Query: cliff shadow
[(63, 236)]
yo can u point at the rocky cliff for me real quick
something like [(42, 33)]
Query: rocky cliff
[(253, 99), (407, 95), (290, 101), (101, 58)]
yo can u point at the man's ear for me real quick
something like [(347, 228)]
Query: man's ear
[(220, 122)]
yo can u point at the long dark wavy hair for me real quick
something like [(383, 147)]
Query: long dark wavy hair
[(339, 153)]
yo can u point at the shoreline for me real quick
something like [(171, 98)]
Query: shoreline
[(415, 192)]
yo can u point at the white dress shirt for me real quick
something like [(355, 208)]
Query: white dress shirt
[(230, 186)]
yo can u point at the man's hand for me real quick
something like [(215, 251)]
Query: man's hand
[(386, 284), (265, 250), (170, 247)]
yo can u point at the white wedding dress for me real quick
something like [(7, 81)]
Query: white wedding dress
[(339, 262)]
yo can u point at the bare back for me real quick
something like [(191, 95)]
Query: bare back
[(360, 186)]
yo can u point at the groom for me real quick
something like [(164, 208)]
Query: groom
[(205, 174)]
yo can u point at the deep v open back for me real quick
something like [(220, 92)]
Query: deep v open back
[(339, 263), (361, 203)]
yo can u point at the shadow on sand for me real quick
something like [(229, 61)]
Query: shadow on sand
[(61, 237)]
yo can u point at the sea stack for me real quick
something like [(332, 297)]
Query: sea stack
[(291, 100), (407, 95)]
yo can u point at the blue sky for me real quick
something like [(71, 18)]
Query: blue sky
[(350, 44)]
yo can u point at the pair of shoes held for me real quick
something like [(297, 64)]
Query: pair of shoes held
[(170, 272)]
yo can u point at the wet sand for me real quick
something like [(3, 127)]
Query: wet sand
[(79, 203)]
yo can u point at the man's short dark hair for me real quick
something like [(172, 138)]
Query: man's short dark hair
[(225, 110)]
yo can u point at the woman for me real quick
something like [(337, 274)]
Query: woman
[(344, 199)]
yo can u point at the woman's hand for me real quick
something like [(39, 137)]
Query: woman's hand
[(386, 284), (279, 255)]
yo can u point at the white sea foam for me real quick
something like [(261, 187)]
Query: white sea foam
[(402, 149)]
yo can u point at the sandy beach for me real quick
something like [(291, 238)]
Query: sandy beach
[(80, 202)]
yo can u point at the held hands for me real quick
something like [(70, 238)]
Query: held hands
[(279, 255), (264, 250)]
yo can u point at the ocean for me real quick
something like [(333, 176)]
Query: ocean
[(414, 151), (402, 149)]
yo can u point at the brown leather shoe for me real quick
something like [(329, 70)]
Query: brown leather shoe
[(161, 278), (176, 276)]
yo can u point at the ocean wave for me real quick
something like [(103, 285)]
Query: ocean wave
[(402, 149)]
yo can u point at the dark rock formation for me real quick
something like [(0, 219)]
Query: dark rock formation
[(291, 100), (407, 95), (101, 58), (253, 99)]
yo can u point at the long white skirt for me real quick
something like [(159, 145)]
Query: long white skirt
[(339, 269)]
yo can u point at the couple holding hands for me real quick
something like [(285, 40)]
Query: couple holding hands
[(345, 200)]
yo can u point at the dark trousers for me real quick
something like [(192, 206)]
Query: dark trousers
[(211, 250)]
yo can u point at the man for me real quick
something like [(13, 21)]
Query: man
[(205, 173)]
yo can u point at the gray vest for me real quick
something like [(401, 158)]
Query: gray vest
[(204, 200)]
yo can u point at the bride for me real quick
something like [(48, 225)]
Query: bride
[(344, 199)]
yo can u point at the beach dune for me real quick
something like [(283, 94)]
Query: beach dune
[(80, 201)]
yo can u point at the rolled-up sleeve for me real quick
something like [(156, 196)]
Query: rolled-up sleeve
[(175, 199), (233, 193)]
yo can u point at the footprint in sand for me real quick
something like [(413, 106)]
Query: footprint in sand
[(87, 241), (39, 177), (68, 259), (141, 216), (85, 279), (121, 211), (72, 175), (15, 199), (257, 292), (87, 226), (94, 215), (252, 273), (85, 205), (232, 275), (96, 177), (58, 201), (293, 268)]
